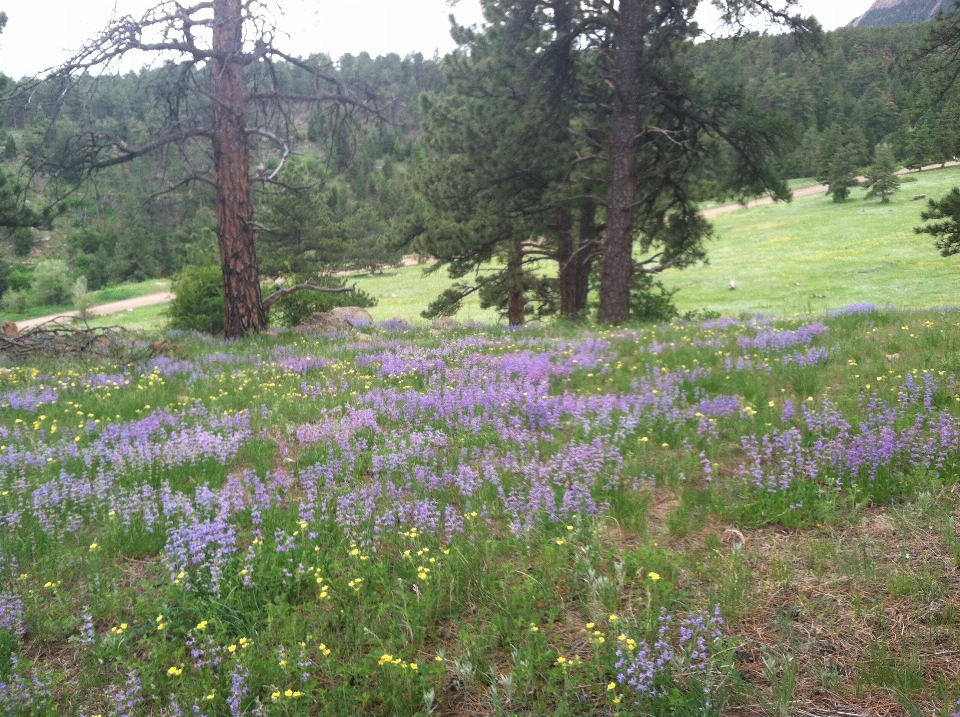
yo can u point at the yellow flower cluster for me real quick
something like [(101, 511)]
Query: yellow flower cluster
[(289, 694), (388, 659), (324, 589)]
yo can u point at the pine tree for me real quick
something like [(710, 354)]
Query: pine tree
[(227, 92), (838, 164), (882, 180), (945, 213)]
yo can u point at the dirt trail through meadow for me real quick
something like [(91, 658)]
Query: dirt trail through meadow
[(114, 307)]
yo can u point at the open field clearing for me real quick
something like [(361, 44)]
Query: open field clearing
[(815, 255), (737, 517)]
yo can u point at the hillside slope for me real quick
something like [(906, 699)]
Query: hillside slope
[(884, 13)]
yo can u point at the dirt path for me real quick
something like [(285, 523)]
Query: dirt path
[(807, 192), (114, 307)]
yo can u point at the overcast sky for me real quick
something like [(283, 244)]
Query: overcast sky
[(42, 33)]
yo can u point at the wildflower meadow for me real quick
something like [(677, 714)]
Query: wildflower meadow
[(730, 516)]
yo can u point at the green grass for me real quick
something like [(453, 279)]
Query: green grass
[(406, 291), (149, 317), (815, 255), (122, 292), (793, 184)]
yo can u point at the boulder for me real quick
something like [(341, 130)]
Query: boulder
[(9, 328), (446, 323), (397, 323), (321, 323), (353, 315)]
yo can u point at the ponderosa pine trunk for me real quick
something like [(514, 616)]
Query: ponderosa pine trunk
[(243, 307), (588, 244), (516, 302), (617, 268), (566, 258)]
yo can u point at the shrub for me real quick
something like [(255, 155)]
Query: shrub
[(16, 302), (22, 241), (83, 300), (291, 310), (20, 277), (51, 283), (199, 300), (651, 301)]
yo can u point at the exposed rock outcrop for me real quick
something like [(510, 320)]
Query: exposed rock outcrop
[(353, 315), (885, 13)]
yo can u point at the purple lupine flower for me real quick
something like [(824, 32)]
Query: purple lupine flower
[(11, 614)]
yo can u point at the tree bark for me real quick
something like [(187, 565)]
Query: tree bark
[(617, 270), (588, 244), (243, 308), (515, 299), (567, 258)]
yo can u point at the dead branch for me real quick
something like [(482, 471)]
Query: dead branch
[(56, 339), (280, 293), (280, 141)]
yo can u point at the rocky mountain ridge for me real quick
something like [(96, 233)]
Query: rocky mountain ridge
[(884, 13)]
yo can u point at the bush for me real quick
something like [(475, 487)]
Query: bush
[(16, 302), (198, 304), (651, 301), (51, 284), (292, 309), (22, 241), (83, 300)]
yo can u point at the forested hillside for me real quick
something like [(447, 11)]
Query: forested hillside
[(346, 198), (341, 187), (859, 90)]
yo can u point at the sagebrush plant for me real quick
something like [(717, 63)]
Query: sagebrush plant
[(569, 521)]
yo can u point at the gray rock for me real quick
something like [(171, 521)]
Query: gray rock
[(398, 322), (353, 315), (322, 323)]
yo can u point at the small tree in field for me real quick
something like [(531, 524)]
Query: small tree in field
[(946, 228), (882, 180), (840, 174)]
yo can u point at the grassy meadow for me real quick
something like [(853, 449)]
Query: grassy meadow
[(735, 517), (815, 255)]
